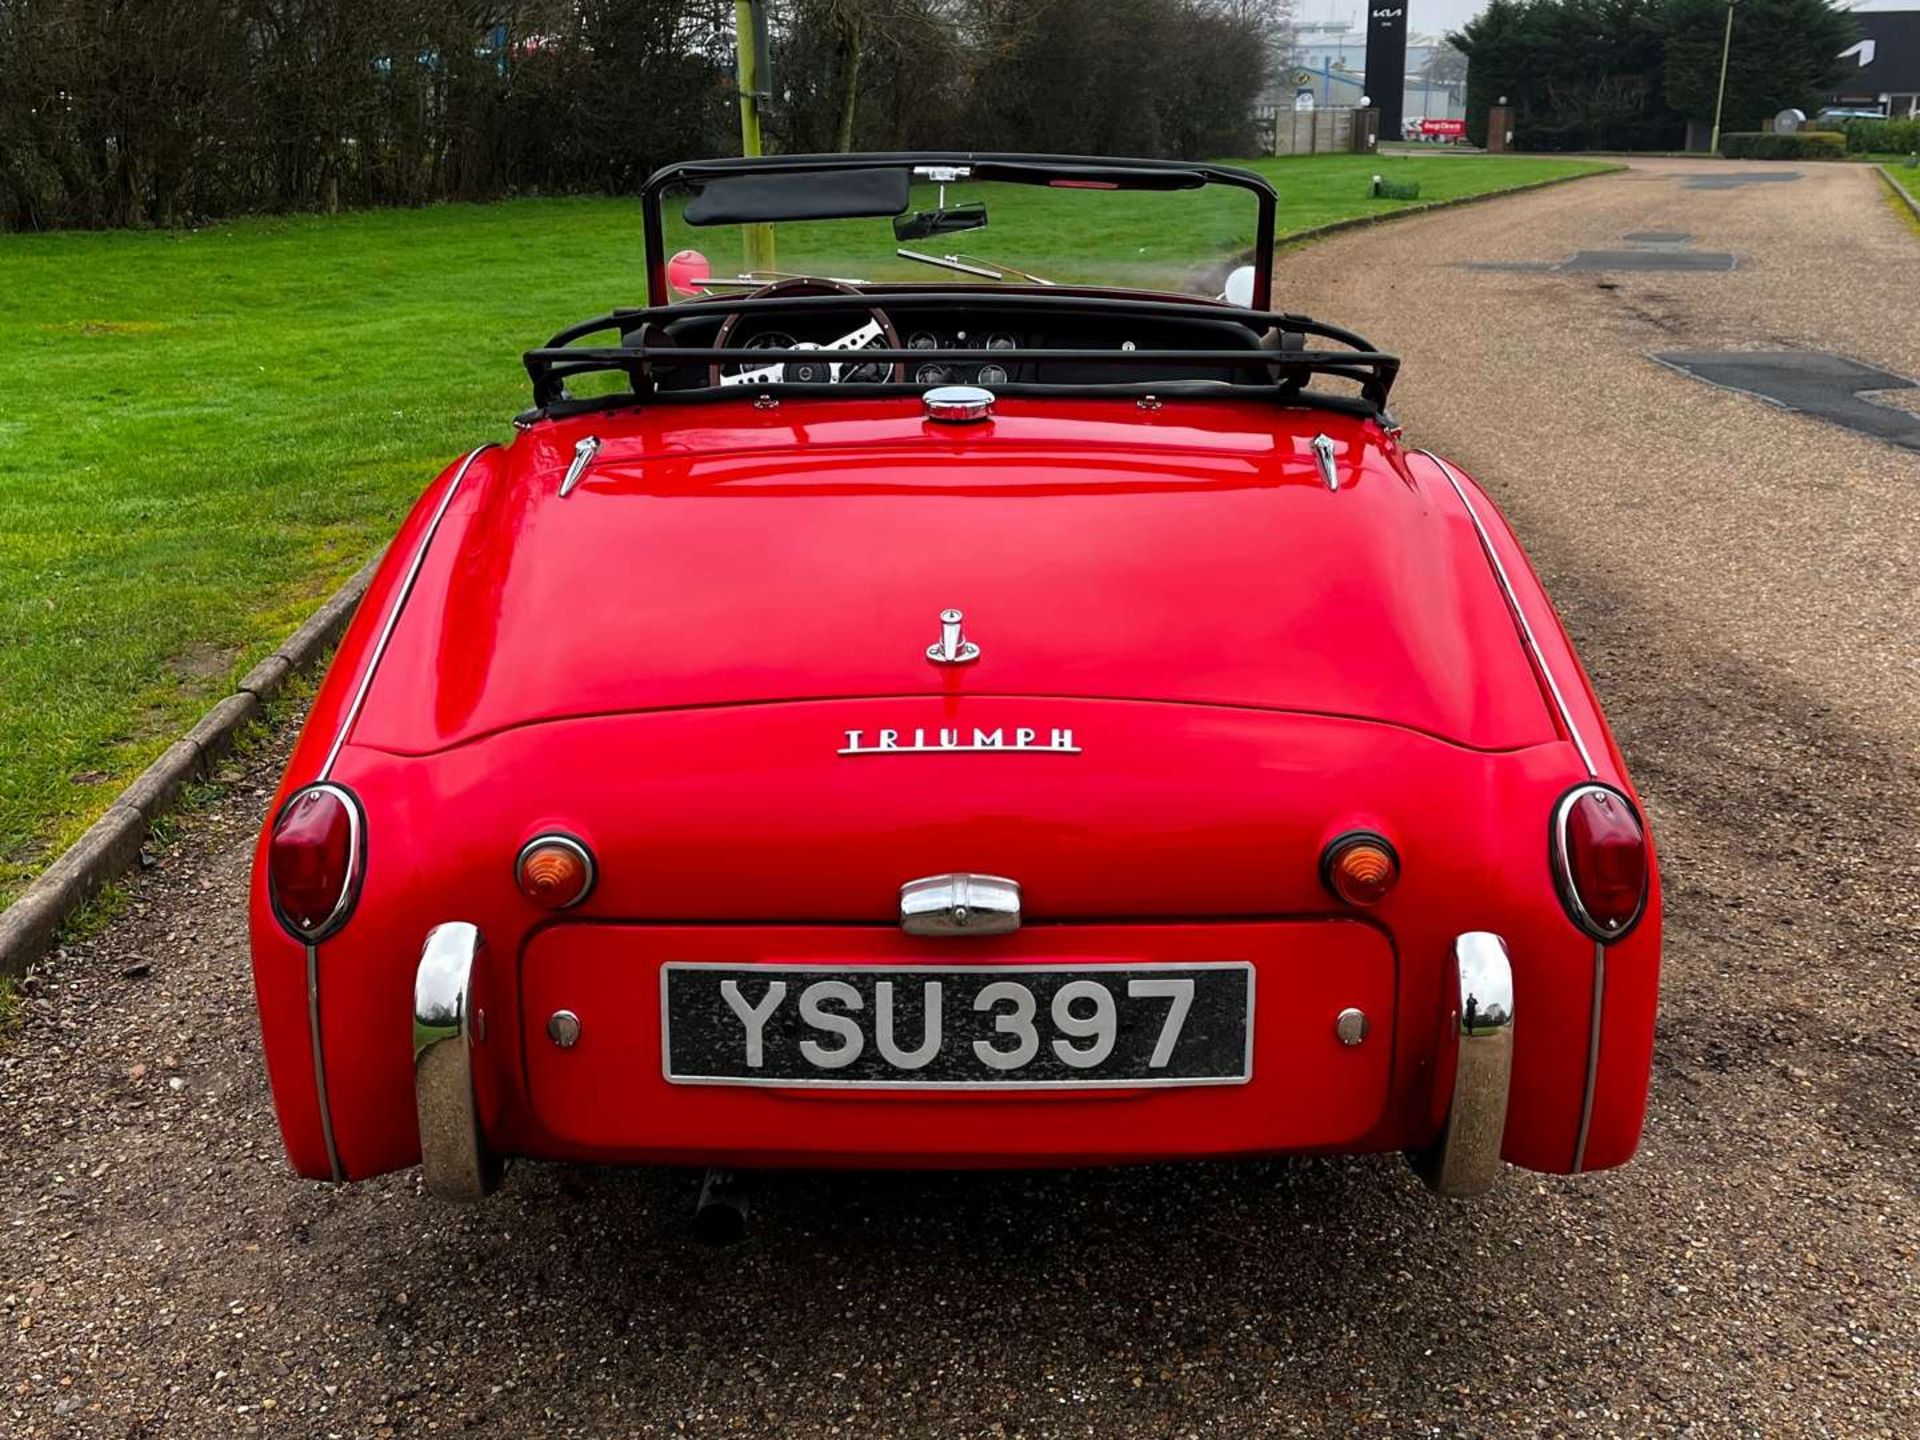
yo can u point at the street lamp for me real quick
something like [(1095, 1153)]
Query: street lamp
[(1719, 100)]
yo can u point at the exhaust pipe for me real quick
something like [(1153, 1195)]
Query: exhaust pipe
[(720, 1216)]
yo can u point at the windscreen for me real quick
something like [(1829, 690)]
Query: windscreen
[(988, 233)]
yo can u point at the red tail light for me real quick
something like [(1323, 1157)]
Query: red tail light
[(1600, 860), (314, 862)]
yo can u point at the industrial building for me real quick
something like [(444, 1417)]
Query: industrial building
[(1883, 65)]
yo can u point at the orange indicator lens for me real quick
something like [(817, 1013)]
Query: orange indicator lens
[(555, 871), (1360, 868)]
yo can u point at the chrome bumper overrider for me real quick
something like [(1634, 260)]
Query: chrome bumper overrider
[(452, 1153), (1466, 1158)]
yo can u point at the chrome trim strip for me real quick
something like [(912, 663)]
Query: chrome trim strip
[(453, 1154), (326, 769), (1593, 1055), (1465, 1160), (583, 454), (393, 614), (1245, 1076), (311, 943), (320, 1064), (1570, 895), (1513, 603)]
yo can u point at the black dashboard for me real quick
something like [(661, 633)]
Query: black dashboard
[(817, 337), (996, 366), (1001, 341)]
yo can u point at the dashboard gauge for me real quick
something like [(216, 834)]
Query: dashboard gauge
[(873, 373), (923, 340), (1000, 340), (992, 375), (764, 340), (931, 374)]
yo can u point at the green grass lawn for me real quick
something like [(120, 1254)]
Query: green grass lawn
[(206, 431), (1906, 176)]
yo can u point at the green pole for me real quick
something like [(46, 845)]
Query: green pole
[(1726, 49), (756, 241)]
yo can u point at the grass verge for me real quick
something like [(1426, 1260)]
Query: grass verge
[(1903, 195), (208, 430)]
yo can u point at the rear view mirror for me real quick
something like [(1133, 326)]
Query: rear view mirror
[(922, 223)]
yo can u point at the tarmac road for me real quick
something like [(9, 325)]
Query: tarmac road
[(1741, 581)]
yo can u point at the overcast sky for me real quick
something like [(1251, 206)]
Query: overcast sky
[(1424, 17)]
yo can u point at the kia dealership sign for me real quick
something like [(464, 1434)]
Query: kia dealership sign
[(1387, 61)]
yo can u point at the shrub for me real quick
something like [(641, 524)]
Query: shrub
[(1882, 137), (1575, 135), (1801, 145), (1538, 135)]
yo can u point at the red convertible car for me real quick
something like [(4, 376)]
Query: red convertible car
[(897, 705)]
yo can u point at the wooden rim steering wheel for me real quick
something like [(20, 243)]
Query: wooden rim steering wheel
[(848, 345)]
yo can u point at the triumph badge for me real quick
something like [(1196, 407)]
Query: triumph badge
[(952, 648)]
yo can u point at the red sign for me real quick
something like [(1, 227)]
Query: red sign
[(1449, 129)]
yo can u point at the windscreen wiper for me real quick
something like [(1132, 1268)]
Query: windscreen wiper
[(973, 265), (755, 279)]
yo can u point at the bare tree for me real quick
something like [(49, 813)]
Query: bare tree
[(1272, 20), (157, 112)]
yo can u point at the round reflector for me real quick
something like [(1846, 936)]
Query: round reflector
[(314, 862), (554, 871), (1360, 867), (1600, 860)]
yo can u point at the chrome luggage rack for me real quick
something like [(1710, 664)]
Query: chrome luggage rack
[(646, 353)]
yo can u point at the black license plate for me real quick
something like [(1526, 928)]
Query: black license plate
[(934, 1027)]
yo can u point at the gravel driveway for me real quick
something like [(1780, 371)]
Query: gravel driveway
[(1742, 584)]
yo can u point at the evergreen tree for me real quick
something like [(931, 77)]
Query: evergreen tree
[(1785, 53)]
